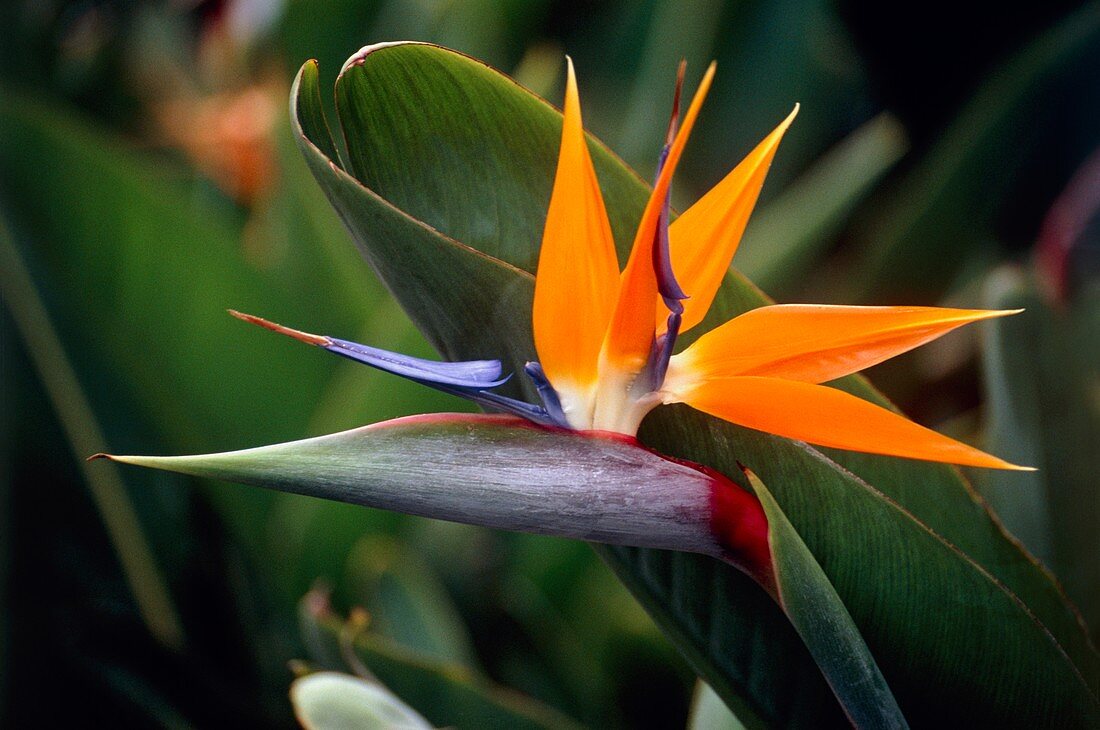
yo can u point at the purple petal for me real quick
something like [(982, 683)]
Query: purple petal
[(550, 400), (662, 260), (662, 351), (497, 403), (465, 374), (469, 379), (667, 285)]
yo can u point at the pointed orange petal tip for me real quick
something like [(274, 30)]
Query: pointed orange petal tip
[(817, 342), (786, 123), (631, 331), (306, 337), (705, 238), (578, 270), (829, 417)]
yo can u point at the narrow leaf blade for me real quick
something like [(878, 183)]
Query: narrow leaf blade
[(823, 622)]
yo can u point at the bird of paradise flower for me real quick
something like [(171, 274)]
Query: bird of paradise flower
[(606, 341)]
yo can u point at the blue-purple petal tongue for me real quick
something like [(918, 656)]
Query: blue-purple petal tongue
[(551, 402), (667, 285), (464, 374), (467, 374), (670, 289), (469, 379), (497, 403)]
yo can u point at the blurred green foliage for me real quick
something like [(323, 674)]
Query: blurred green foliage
[(926, 155)]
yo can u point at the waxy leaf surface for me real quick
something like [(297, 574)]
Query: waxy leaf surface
[(1042, 407), (812, 604)]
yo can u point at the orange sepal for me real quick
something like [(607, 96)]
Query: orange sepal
[(578, 271), (631, 331), (703, 240), (816, 342), (829, 417)]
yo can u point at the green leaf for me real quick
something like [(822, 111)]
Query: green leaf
[(137, 261), (108, 490), (456, 165), (965, 182), (407, 601), (448, 694), (1043, 408), (823, 622), (334, 701), (161, 269)]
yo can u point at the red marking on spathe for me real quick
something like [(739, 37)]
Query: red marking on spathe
[(741, 527), (737, 519)]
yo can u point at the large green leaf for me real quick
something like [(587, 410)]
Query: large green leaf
[(709, 712), (812, 604), (455, 164), (1043, 407)]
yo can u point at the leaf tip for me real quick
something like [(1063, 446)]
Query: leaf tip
[(360, 56), (749, 474)]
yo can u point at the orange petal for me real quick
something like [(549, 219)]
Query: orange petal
[(825, 416), (816, 342), (631, 332), (703, 240), (578, 271)]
